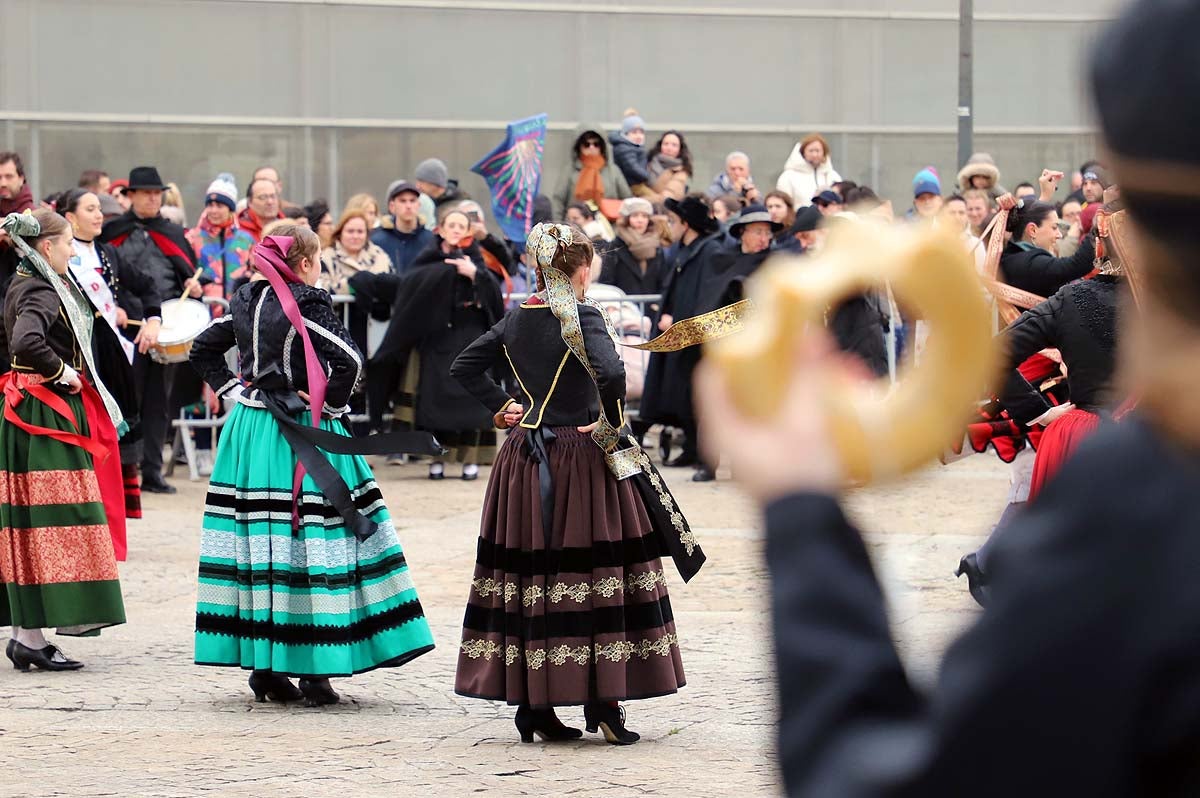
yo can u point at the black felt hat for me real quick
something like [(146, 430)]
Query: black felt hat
[(749, 215), (807, 219), (145, 177), (694, 212)]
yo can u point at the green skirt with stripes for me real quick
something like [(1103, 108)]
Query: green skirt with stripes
[(313, 601)]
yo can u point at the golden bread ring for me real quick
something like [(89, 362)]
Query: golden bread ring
[(878, 433)]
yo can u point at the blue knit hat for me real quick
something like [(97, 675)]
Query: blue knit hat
[(631, 122), (927, 182)]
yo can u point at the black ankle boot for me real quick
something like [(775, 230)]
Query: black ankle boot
[(976, 579), (317, 692), (602, 716), (545, 724), (271, 686)]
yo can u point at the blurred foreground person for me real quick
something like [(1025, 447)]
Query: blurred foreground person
[(1082, 677)]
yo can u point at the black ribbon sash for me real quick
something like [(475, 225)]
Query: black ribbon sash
[(688, 556), (307, 441), (655, 497), (536, 441)]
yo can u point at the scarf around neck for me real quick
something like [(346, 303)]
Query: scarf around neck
[(589, 185), (643, 246)]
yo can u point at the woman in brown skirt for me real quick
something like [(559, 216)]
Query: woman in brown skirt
[(569, 602)]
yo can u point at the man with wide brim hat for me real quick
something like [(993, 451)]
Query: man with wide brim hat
[(159, 248), (753, 214)]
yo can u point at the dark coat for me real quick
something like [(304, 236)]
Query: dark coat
[(667, 394), (438, 313), (630, 158), (403, 248), (557, 391), (264, 337), (1082, 677), (624, 271), (1038, 272), (725, 277), (135, 290), (157, 247), (858, 325), (1081, 322)]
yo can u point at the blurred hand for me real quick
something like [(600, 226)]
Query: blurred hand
[(193, 288), (1112, 194), (763, 453), (147, 337), (664, 321), (1052, 414), (464, 267), (590, 428), (122, 317), (1006, 202)]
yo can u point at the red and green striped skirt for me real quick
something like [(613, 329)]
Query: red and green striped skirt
[(58, 567)]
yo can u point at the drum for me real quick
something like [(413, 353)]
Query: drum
[(182, 321)]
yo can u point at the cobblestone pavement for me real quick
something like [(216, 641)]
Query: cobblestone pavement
[(142, 720)]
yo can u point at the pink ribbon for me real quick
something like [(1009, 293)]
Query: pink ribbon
[(270, 259)]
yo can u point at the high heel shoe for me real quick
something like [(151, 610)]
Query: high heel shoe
[(545, 724), (274, 687), (610, 720), (317, 692), (23, 656), (976, 579)]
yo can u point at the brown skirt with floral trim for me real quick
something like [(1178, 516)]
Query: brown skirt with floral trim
[(586, 618)]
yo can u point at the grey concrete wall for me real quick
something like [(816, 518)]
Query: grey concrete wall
[(346, 96)]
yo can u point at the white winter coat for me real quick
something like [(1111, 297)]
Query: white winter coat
[(801, 181)]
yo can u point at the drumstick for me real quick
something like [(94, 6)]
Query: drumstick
[(135, 322), (186, 288)]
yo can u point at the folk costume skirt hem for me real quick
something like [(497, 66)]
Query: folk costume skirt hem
[(312, 601), (583, 616), (58, 567), (1059, 442)]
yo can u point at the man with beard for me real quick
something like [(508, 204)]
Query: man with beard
[(15, 197)]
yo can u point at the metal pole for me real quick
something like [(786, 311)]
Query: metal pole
[(966, 79)]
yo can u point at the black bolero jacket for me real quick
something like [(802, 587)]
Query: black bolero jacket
[(1081, 322), (37, 336), (265, 338), (557, 390), (1039, 272)]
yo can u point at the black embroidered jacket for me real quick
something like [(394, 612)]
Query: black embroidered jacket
[(267, 344), (556, 389)]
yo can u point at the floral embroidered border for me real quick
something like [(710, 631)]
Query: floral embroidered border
[(536, 658)]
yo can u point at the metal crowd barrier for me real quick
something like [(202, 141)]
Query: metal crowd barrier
[(628, 313)]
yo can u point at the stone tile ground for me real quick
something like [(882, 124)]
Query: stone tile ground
[(141, 720)]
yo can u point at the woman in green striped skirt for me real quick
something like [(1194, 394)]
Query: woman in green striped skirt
[(58, 458), (301, 572)]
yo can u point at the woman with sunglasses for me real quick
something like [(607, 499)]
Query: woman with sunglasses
[(592, 178)]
